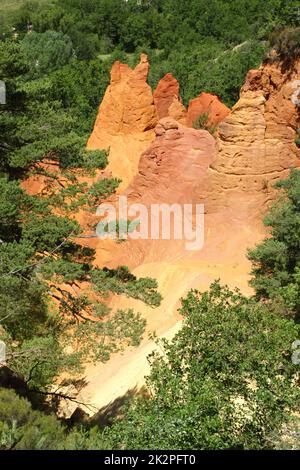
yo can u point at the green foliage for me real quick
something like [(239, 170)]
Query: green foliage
[(120, 229), (286, 43), (40, 360), (224, 74), (208, 66), (202, 123), (47, 51), (226, 381), (94, 159), (121, 281), (42, 118), (83, 439), (10, 202), (297, 141), (276, 261), (156, 24), (22, 428), (49, 327), (80, 86), (228, 38)]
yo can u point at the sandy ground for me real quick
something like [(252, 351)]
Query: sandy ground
[(126, 371)]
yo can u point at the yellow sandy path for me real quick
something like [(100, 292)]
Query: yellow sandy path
[(126, 371)]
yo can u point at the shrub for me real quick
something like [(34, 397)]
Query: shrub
[(276, 260), (226, 380), (286, 43), (22, 428), (202, 122), (297, 141)]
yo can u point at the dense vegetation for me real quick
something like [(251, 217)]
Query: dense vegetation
[(208, 46), (226, 380), (276, 261), (48, 324)]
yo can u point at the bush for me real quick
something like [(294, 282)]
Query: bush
[(226, 381), (276, 261), (47, 51), (22, 428), (286, 43), (297, 141), (202, 122)]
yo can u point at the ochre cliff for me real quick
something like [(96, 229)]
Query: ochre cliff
[(170, 172), (126, 119), (167, 99), (169, 104), (256, 144), (162, 159), (232, 176)]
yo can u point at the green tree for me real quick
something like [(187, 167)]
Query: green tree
[(47, 51), (276, 261), (53, 300), (226, 381), (286, 43), (22, 428), (80, 87)]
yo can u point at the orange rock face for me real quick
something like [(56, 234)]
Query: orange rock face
[(167, 162), (167, 99), (234, 179), (40, 184), (126, 119), (232, 176), (170, 171), (207, 103), (172, 167), (256, 142), (256, 148)]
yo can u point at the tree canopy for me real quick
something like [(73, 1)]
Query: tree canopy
[(276, 261), (226, 381), (43, 312)]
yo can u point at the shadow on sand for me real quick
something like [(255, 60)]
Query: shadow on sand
[(106, 415)]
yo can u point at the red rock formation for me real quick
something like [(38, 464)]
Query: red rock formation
[(207, 103), (172, 167), (167, 99), (255, 148), (256, 143), (126, 119), (170, 171), (176, 164)]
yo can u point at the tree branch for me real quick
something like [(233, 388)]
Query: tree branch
[(65, 397)]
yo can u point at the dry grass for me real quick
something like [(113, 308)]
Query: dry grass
[(9, 5)]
